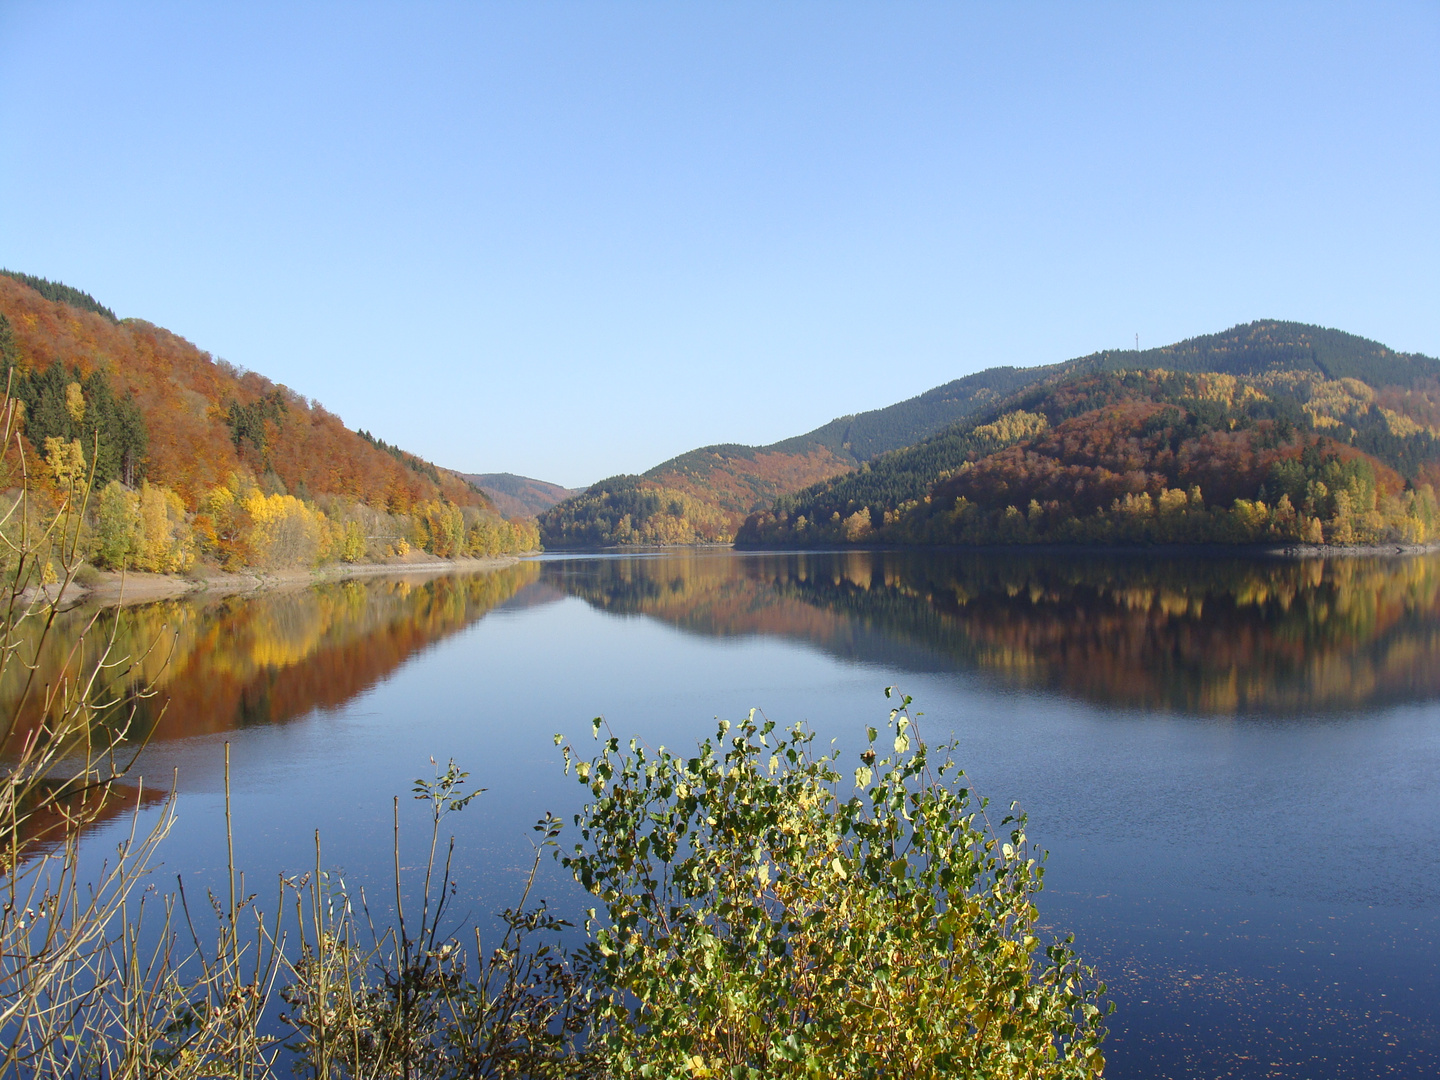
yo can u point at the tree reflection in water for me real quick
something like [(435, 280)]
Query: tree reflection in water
[(1194, 635), (267, 658), (1207, 636)]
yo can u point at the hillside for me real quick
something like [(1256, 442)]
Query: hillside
[(518, 496), (194, 457), (705, 494), (1271, 431)]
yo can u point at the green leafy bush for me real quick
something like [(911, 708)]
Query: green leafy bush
[(758, 923)]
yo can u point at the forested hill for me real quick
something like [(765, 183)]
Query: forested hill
[(1270, 431), (1269, 345), (703, 495), (519, 496), (195, 458), (870, 434)]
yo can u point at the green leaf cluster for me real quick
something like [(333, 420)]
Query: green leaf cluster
[(764, 915)]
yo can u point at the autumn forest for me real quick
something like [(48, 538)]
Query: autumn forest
[(191, 459), (1271, 433)]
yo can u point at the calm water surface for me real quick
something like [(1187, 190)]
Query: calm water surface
[(1234, 764)]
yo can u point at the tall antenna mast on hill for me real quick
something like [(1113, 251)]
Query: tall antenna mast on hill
[(1137, 342)]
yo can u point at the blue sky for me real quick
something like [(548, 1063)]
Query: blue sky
[(570, 240)]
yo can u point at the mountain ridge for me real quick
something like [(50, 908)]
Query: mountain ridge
[(704, 495), (695, 497), (1302, 438)]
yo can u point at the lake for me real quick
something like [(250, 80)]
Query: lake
[(1235, 764)]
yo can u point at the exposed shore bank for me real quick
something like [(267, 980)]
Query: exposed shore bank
[(112, 589)]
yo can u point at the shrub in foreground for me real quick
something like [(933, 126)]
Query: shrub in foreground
[(757, 922)]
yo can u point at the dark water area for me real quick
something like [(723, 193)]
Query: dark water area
[(1235, 764)]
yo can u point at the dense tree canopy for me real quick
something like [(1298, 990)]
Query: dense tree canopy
[(192, 456), (1153, 456), (632, 510), (1356, 392)]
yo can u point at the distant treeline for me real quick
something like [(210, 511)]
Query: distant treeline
[(632, 510)]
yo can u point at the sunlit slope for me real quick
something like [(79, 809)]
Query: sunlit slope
[(702, 496), (1268, 432), (203, 419), (518, 496)]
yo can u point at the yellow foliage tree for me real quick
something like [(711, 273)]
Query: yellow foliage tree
[(66, 461), (284, 532), (1014, 427), (857, 526), (75, 402), (352, 542), (165, 542), (143, 530)]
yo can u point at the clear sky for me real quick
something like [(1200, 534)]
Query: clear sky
[(574, 239)]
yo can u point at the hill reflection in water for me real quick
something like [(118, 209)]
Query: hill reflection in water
[(1190, 635), (237, 661), (1203, 636)]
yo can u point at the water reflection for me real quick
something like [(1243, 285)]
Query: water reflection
[(1202, 636), (1233, 880), (1209, 636), (238, 661)]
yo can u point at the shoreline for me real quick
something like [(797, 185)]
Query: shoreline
[(121, 590), (1284, 550)]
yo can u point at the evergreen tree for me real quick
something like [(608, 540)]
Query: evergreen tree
[(59, 404), (9, 355)]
